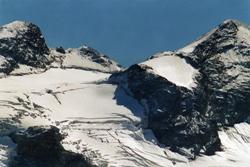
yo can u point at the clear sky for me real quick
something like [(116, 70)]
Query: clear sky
[(129, 31)]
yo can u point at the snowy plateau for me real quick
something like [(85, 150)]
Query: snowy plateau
[(78, 108)]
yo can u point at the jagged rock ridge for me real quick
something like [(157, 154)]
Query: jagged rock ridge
[(85, 58), (23, 50), (192, 98), (23, 43), (187, 119)]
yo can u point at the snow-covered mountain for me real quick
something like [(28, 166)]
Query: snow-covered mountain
[(197, 98), (23, 50), (77, 107)]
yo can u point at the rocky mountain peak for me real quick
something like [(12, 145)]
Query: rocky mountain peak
[(191, 118), (231, 35), (13, 29), (23, 43), (173, 106), (230, 25), (19, 29), (85, 58), (86, 50)]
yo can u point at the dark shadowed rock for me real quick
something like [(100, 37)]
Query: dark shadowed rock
[(60, 50), (188, 120), (40, 146), (173, 113), (24, 44), (97, 57)]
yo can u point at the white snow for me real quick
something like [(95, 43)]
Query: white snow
[(244, 34), (174, 69), (12, 29), (6, 150), (50, 79), (236, 149), (24, 69), (74, 59), (101, 120)]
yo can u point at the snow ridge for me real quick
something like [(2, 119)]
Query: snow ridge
[(23, 50), (174, 69), (117, 118), (13, 29)]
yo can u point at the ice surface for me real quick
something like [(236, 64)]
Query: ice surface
[(174, 69), (101, 120)]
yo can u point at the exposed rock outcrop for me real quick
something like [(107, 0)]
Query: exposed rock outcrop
[(23, 47), (40, 146), (23, 43), (85, 58), (187, 120)]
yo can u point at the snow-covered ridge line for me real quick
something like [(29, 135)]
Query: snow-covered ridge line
[(23, 49), (174, 69), (85, 58), (103, 123), (191, 46), (13, 29), (193, 93)]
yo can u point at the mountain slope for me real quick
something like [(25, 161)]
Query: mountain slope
[(192, 94), (23, 43), (96, 118), (23, 50), (177, 109), (85, 58)]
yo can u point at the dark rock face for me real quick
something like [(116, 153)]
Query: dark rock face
[(60, 50), (95, 56), (7, 64), (173, 112), (22, 43), (188, 120), (40, 146), (26, 45), (224, 61)]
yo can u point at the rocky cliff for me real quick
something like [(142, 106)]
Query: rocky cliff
[(187, 115)]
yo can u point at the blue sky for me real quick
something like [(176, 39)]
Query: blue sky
[(129, 31)]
